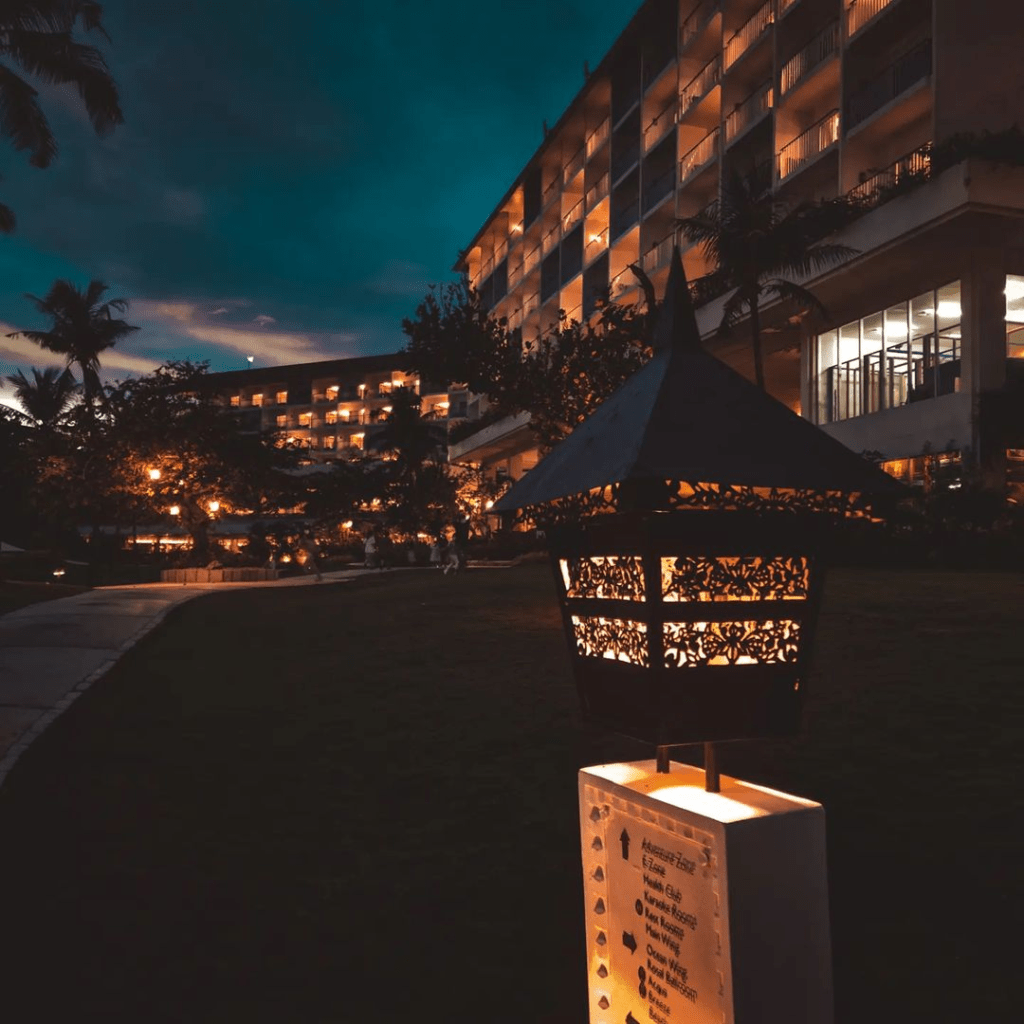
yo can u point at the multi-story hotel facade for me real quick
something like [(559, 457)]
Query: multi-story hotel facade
[(328, 409), (814, 99)]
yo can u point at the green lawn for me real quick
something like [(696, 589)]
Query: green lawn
[(356, 802)]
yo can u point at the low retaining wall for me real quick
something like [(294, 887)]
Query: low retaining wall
[(216, 575)]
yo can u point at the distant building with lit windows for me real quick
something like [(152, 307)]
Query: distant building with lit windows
[(810, 99), (327, 409)]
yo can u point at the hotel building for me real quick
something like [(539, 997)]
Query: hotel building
[(328, 409), (812, 99)]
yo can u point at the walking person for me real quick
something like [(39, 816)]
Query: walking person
[(308, 547), (370, 553)]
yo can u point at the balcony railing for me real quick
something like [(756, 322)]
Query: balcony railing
[(701, 84), (897, 78), (552, 190), (550, 239), (597, 138), (914, 165), (598, 191), (809, 144), (696, 21), (816, 52), (531, 260), (658, 187), (749, 34), (501, 251), (574, 166), (531, 304), (572, 218), (701, 154), (752, 109), (515, 274), (660, 125), (658, 256), (860, 12), (596, 244), (486, 268)]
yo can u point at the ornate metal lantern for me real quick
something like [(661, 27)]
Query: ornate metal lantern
[(690, 609)]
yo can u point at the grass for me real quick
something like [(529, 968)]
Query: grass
[(14, 595), (357, 802)]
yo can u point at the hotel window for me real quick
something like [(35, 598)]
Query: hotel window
[(332, 393), (1014, 316), (282, 421), (305, 419), (331, 417), (906, 353), (314, 442), (357, 440), (257, 400), (345, 413), (236, 401), (281, 397), (329, 441), (384, 387)]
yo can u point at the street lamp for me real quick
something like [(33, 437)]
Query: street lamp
[(154, 474), (175, 510), (689, 605)]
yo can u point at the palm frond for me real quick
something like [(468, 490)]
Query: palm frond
[(787, 291), (22, 120), (7, 219)]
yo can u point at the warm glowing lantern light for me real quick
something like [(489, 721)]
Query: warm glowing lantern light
[(154, 474), (689, 610), (213, 506), (174, 510)]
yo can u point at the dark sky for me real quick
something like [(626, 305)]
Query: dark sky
[(291, 175)]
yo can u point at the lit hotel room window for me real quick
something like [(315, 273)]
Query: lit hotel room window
[(282, 397), (305, 419), (282, 421), (257, 400), (236, 401)]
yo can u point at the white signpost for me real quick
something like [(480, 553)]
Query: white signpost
[(702, 908)]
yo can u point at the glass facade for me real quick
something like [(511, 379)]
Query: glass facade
[(1014, 316), (906, 353)]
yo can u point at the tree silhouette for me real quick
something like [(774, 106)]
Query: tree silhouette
[(756, 243), (82, 328), (37, 36), (47, 397)]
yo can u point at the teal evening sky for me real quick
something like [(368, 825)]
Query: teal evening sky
[(291, 176)]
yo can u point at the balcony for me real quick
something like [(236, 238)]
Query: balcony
[(860, 12), (658, 256), (597, 138), (515, 275), (661, 124), (515, 320), (696, 21), (531, 260), (596, 244), (658, 188), (598, 191), (573, 167), (551, 191), (816, 52), (701, 84), (807, 146), (572, 218), (749, 34), (550, 240), (531, 304), (624, 159), (702, 154), (895, 80), (914, 165), (501, 251), (751, 110)]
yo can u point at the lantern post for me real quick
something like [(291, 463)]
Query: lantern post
[(685, 520)]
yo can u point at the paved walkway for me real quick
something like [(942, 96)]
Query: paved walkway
[(51, 652)]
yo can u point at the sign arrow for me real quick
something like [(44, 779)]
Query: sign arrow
[(629, 941), (624, 839), (630, 1019)]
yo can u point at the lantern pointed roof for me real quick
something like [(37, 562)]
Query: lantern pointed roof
[(686, 416)]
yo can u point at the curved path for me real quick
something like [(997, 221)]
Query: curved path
[(51, 652)]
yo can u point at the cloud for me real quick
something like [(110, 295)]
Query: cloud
[(218, 311), (262, 320), (21, 354), (401, 278)]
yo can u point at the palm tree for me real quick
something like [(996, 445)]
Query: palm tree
[(46, 399), (82, 329), (751, 239), (411, 438), (37, 37)]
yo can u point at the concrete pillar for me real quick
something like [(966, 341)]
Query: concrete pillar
[(983, 370)]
